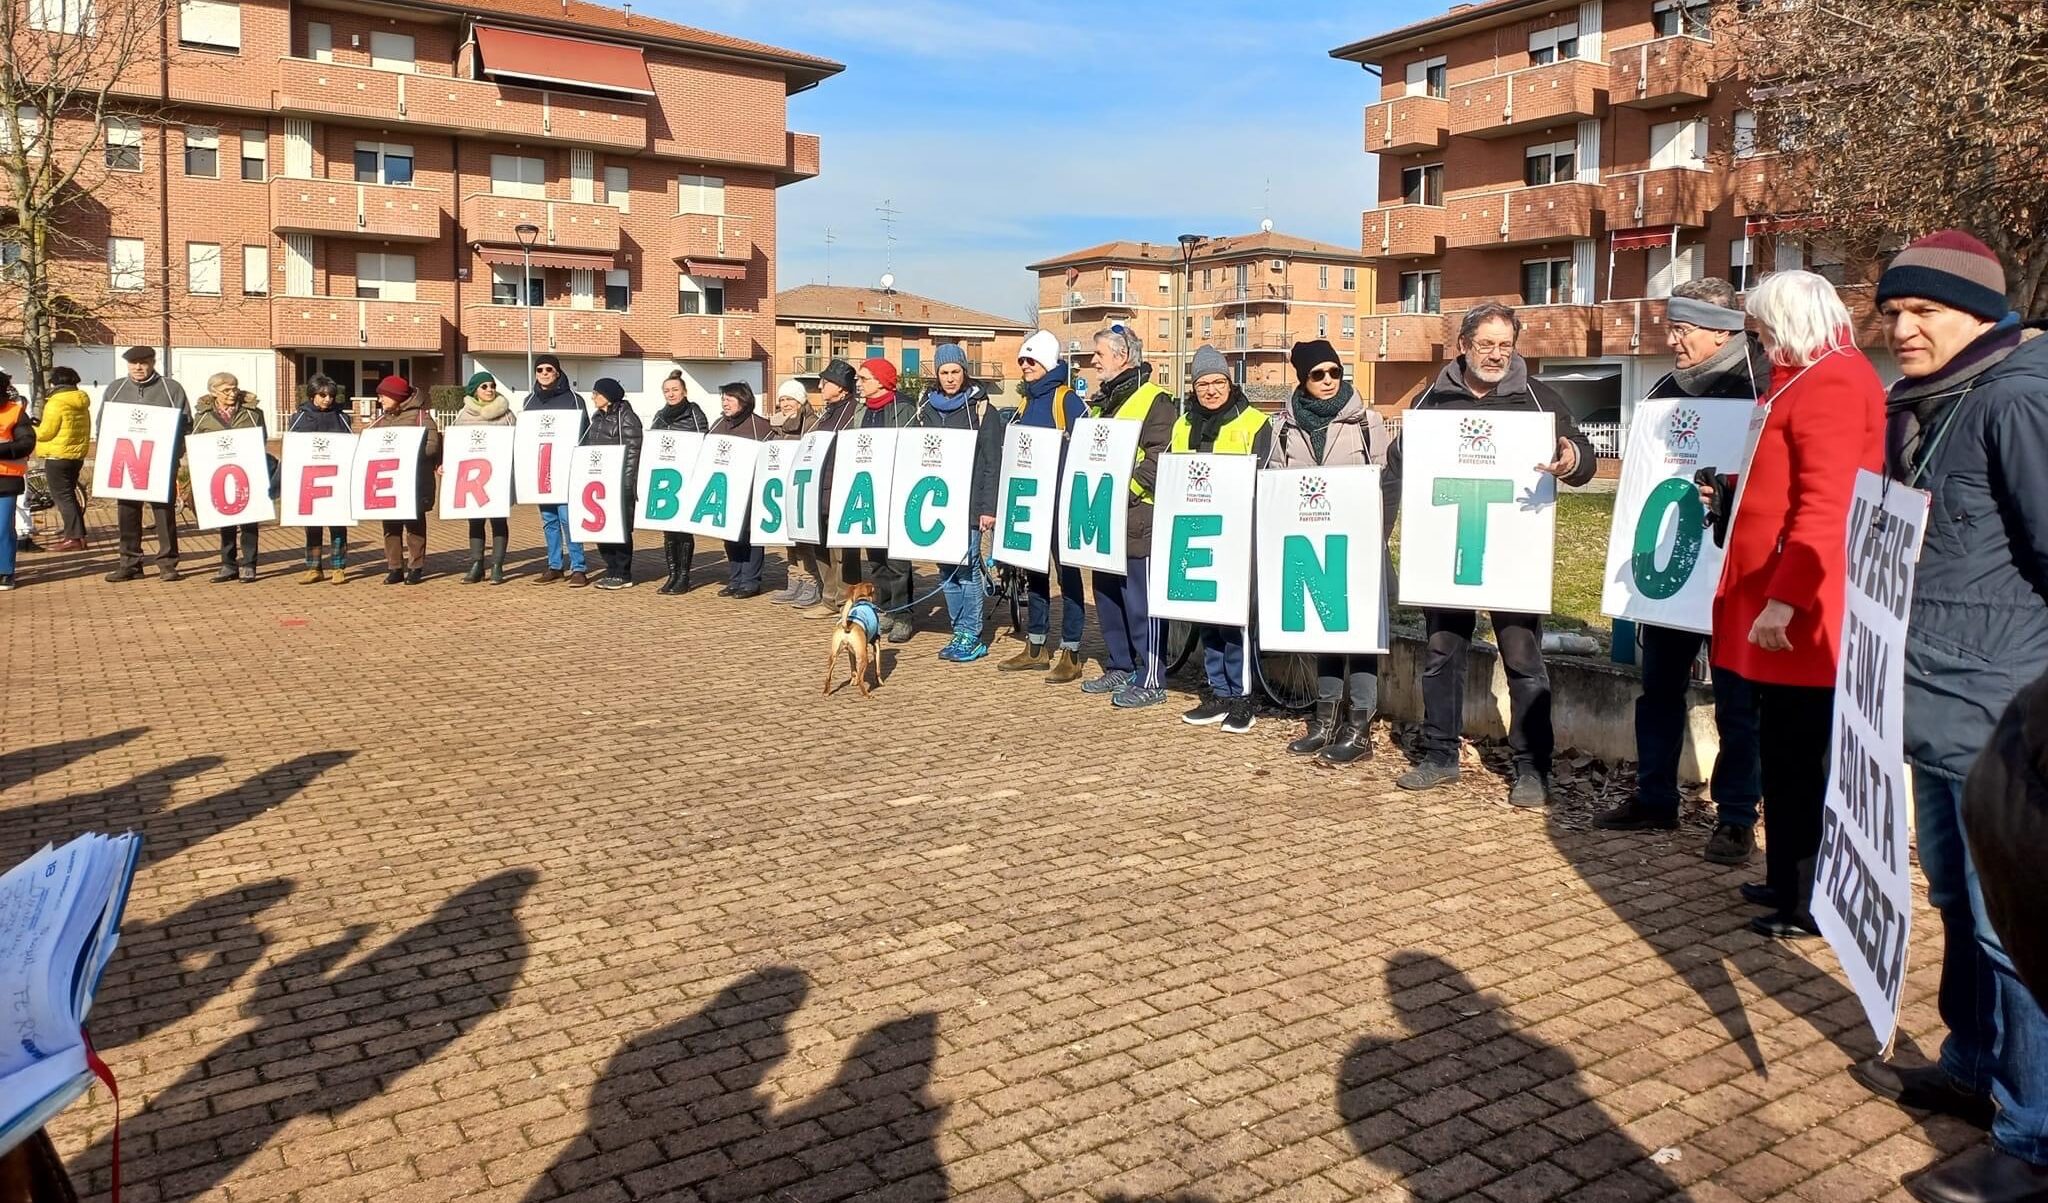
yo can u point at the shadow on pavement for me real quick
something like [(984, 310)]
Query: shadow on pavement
[(26, 764), (152, 986)]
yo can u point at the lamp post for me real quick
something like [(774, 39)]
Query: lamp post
[(1188, 243), (528, 233)]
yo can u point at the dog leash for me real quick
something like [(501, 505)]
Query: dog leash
[(970, 558)]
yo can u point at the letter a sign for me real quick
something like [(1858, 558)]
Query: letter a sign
[(861, 471), (723, 488), (135, 446), (1478, 521), (1095, 496), (230, 478)]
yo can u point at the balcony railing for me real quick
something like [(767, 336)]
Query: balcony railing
[(709, 336), (1078, 300), (564, 225), (1406, 124), (1254, 293), (1529, 99), (808, 365), (1667, 196), (354, 324), (343, 92), (1403, 337), (1666, 71), (1404, 232), (1522, 216), (345, 209), (710, 236), (501, 329)]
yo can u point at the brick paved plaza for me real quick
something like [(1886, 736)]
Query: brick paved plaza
[(523, 894)]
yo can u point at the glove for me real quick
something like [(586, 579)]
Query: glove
[(1723, 488)]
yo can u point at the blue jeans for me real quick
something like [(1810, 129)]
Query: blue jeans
[(1997, 1035), (8, 537), (1038, 610), (1124, 612), (964, 599), (554, 526), (1223, 659)]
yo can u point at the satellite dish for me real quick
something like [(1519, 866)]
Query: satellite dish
[(888, 281), (1266, 226)]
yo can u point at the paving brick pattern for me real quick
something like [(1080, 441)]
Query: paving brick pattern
[(524, 894)]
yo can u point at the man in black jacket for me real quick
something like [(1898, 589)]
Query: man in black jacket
[(143, 386), (1716, 358), (1489, 374)]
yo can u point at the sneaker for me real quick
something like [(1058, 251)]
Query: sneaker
[(223, 576), (807, 594), (1632, 815), (953, 646), (549, 577), (6, 581), (1241, 717), (338, 574), (1427, 775), (609, 583), (1731, 844), (314, 575), (579, 579), (1531, 790), (168, 572), (1215, 710), (1109, 682), (903, 630), (1132, 697), (974, 649), (395, 577)]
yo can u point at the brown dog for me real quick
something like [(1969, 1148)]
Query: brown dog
[(859, 624)]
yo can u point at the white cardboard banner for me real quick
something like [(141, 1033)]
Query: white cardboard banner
[(133, 452), (1862, 879), (1095, 495), (597, 494), (724, 485), (1321, 560), (316, 479), (384, 479), (541, 445), (476, 472), (863, 463), (1201, 569), (1478, 521), (770, 524), (668, 467), (1662, 562), (806, 472), (230, 477), (1027, 497), (928, 511)]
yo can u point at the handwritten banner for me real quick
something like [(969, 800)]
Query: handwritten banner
[(928, 518)]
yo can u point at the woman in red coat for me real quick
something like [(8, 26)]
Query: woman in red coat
[(1778, 614)]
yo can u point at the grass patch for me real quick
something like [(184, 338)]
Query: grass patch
[(1583, 522)]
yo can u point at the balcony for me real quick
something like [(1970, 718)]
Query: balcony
[(808, 365), (1249, 294), (1530, 99), (711, 237), (340, 92), (353, 324), (1667, 71), (1257, 342), (1668, 196), (705, 336), (1555, 330), (1766, 185), (1402, 337), (564, 225), (1406, 124), (1404, 232), (345, 209), (1522, 216), (501, 330), (1083, 301), (800, 157), (1633, 327)]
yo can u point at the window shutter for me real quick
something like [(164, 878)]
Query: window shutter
[(582, 176), (582, 288), (210, 23), (1589, 152), (1582, 272), (298, 265), (255, 270)]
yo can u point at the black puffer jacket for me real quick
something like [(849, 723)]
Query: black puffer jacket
[(683, 415), (311, 419), (617, 426)]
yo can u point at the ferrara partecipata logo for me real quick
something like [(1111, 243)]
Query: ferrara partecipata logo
[(934, 451), (1313, 499), (477, 441), (1199, 488), (863, 448), (1682, 436), (389, 441), (1475, 441), (1098, 446), (1023, 449)]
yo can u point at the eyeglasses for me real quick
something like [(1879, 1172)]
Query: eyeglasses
[(1681, 329), (1212, 383), (1327, 374), (1493, 348)]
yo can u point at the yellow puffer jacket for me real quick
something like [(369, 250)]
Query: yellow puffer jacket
[(66, 427)]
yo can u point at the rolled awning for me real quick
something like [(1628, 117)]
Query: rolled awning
[(516, 56), (1581, 374), (563, 260), (715, 271), (1643, 239)]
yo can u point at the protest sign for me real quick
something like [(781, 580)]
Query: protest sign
[(316, 470), (1321, 560), (1862, 879), (928, 512), (1662, 562), (476, 472), (668, 463), (541, 444), (135, 446), (384, 480), (806, 474), (723, 485), (1478, 521), (1201, 569), (862, 466), (1027, 497), (230, 477), (770, 525), (1095, 495), (597, 494)]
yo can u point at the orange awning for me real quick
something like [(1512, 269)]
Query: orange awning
[(515, 56), (716, 271), (512, 256)]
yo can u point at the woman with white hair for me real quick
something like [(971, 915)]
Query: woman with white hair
[(1778, 614)]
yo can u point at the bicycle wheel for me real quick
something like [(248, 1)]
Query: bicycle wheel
[(1289, 678), (1181, 641)]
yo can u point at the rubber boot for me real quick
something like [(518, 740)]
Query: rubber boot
[(476, 563), (498, 543), (1353, 741), (1320, 728)]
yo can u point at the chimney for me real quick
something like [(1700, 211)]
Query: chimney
[(860, 306)]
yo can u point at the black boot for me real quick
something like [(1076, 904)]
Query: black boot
[(498, 543), (668, 560), (1320, 728), (476, 563), (1353, 741)]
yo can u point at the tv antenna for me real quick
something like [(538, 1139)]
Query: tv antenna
[(830, 238), (889, 215)]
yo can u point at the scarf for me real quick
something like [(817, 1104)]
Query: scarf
[(1732, 359), (881, 401), (1117, 390), (1314, 417), (1914, 405), (560, 388), (949, 404), (475, 411), (1205, 424)]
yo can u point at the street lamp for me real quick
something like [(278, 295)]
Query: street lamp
[(1188, 243), (528, 233)]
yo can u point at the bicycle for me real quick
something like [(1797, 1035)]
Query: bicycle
[(1003, 585), (1288, 679)]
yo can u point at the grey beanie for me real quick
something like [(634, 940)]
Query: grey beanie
[(1208, 362)]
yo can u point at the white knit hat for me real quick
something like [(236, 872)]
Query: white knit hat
[(1043, 349), (792, 390)]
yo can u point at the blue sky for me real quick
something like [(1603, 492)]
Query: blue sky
[(1005, 138)]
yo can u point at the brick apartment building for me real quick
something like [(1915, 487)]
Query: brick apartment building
[(340, 189), (817, 323), (1576, 159), (1252, 295)]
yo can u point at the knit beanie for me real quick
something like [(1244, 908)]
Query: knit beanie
[(1952, 268), (476, 382), (1208, 362), (839, 372), (1042, 349), (395, 388), (1306, 357), (610, 390), (883, 371), (548, 361), (792, 390), (950, 353)]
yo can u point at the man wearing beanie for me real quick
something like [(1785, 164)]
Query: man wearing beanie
[(1968, 423), (143, 386), (1050, 403), (1716, 358), (551, 391)]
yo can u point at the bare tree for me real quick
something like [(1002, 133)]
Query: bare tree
[(1898, 117)]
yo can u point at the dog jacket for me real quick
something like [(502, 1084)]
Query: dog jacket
[(868, 618)]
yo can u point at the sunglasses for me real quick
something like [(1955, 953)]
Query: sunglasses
[(1327, 374)]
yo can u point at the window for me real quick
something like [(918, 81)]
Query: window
[(30, 118), (618, 188), (1350, 326), (1740, 272), (202, 269), (1165, 283), (214, 24), (1666, 274), (700, 194), (1208, 327), (1826, 262), (10, 260), (255, 271), (384, 277), (519, 175), (1323, 277), (61, 16), (1350, 279), (1322, 325), (1165, 329), (1789, 256), (124, 144), (1547, 282), (1244, 278), (505, 285), (1423, 185), (1550, 163), (1679, 144), (1553, 45), (320, 42), (1429, 77), (124, 264), (392, 52), (1676, 18), (1745, 134), (1239, 333), (1206, 274), (202, 152), (255, 155), (1422, 292), (694, 296), (618, 289), (814, 348), (383, 163), (1116, 287)]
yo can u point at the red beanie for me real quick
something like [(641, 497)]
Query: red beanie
[(883, 371), (395, 388)]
